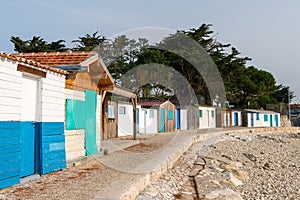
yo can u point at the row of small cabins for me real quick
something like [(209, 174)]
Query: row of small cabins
[(52, 111)]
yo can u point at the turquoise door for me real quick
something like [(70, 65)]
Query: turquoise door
[(27, 149), (162, 120), (276, 120), (271, 120)]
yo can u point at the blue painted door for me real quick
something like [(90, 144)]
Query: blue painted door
[(252, 119), (236, 119), (28, 116), (271, 120), (162, 120), (27, 149), (178, 119)]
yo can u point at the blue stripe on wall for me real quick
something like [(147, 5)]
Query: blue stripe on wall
[(50, 150), (51, 154), (10, 148)]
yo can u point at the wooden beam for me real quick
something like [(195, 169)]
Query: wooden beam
[(29, 70), (103, 97)]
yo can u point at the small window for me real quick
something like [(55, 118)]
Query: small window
[(212, 113), (257, 116), (170, 115), (122, 110), (151, 114), (266, 118), (111, 113), (200, 113)]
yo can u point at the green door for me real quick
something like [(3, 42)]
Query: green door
[(271, 120), (162, 120)]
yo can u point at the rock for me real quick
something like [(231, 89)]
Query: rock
[(224, 194), (236, 182), (250, 157), (246, 138)]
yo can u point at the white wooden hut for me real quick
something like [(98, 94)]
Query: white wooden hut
[(31, 119), (146, 120), (181, 119), (236, 118), (207, 117), (260, 118)]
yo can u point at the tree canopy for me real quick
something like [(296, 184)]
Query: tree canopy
[(246, 86), (37, 44)]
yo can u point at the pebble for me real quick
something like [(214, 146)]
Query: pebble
[(260, 166)]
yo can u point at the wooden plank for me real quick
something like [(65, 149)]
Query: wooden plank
[(57, 94), (54, 82), (9, 149), (13, 86), (10, 72), (10, 101), (10, 78), (29, 70), (9, 181), (74, 154), (8, 93), (8, 109), (10, 116)]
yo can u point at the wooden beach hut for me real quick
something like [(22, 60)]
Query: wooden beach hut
[(119, 113), (146, 120), (226, 118), (31, 119), (207, 117), (236, 118), (166, 114), (260, 118), (86, 82)]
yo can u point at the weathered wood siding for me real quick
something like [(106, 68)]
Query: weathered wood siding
[(170, 123), (110, 129), (75, 139)]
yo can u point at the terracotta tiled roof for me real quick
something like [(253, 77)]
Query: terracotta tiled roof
[(151, 103), (57, 58), (34, 63), (294, 105)]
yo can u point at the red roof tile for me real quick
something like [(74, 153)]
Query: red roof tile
[(151, 103), (57, 58), (34, 63)]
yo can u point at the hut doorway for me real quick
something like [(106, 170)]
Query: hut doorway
[(28, 118)]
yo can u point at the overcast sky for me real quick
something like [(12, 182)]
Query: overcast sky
[(266, 30)]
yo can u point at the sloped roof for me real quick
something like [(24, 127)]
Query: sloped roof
[(151, 103), (57, 58), (28, 61), (294, 105), (260, 111)]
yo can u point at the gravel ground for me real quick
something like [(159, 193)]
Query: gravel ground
[(271, 161), (85, 180), (239, 166)]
